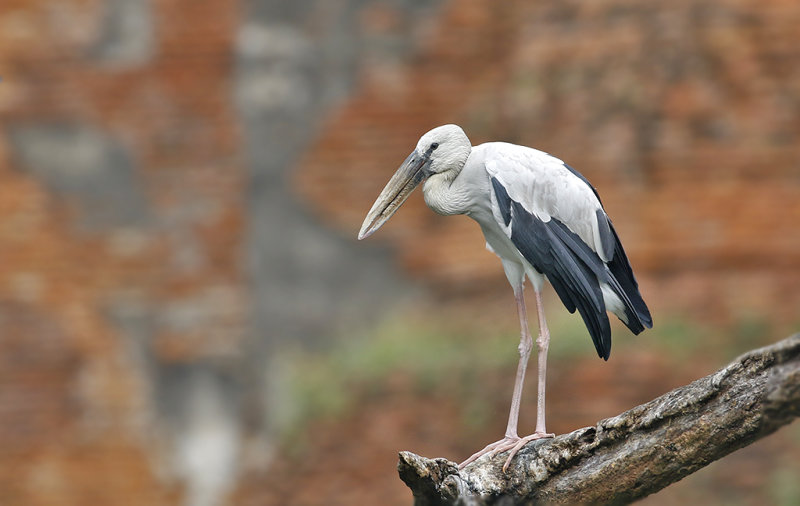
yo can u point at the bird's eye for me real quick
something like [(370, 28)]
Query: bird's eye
[(434, 145)]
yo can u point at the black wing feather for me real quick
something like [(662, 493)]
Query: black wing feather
[(503, 200), (575, 270), (548, 247)]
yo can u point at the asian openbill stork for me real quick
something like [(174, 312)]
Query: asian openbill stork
[(544, 220)]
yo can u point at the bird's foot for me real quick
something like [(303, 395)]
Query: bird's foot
[(512, 443)]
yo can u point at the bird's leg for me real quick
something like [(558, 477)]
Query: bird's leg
[(512, 441), (525, 346), (542, 342)]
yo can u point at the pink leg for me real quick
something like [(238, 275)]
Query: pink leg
[(525, 346), (542, 342), (512, 441)]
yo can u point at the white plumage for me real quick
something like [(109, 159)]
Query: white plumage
[(544, 220)]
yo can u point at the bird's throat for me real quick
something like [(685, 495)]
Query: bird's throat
[(443, 195)]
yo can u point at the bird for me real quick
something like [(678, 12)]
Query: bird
[(545, 221)]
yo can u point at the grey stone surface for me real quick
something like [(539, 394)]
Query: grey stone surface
[(296, 61), (197, 407), (201, 404), (127, 32), (87, 167)]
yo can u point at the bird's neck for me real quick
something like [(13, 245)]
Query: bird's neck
[(445, 194)]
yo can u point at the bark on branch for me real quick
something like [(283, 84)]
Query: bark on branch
[(634, 454)]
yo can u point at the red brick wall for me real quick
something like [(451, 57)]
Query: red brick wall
[(75, 417)]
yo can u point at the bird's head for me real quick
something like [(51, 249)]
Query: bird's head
[(441, 152)]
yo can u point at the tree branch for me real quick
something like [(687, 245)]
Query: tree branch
[(634, 454)]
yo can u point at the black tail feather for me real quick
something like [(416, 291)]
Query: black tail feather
[(636, 309)]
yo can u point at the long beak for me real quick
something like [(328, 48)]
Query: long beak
[(397, 190)]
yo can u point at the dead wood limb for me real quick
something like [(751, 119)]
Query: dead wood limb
[(634, 454)]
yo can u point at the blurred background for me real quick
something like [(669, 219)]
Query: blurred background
[(187, 318)]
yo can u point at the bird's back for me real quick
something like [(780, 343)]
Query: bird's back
[(556, 222)]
